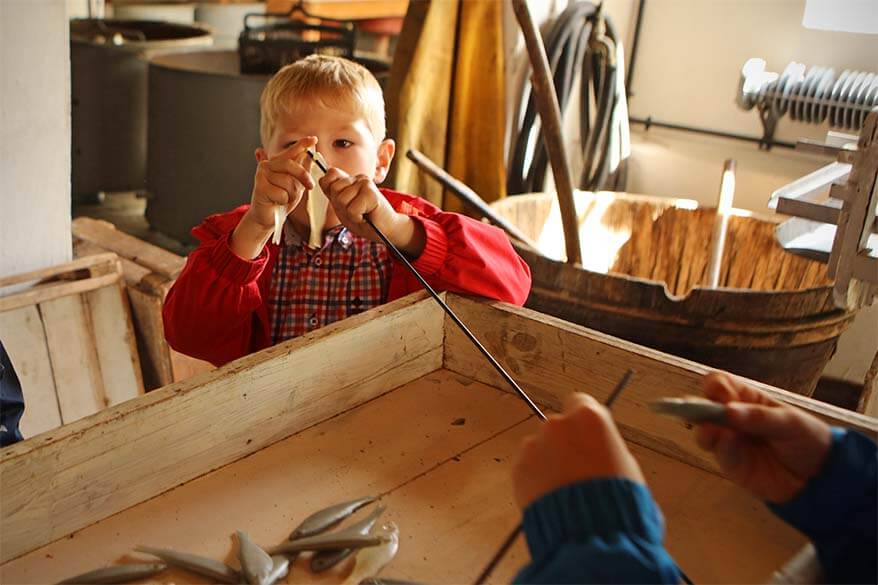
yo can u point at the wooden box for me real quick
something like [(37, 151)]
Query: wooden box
[(70, 339), (371, 405), (149, 273)]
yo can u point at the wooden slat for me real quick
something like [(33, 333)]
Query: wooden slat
[(47, 292), (115, 344), (24, 338), (121, 456), (98, 262), (132, 271), (106, 236), (550, 358), (75, 363)]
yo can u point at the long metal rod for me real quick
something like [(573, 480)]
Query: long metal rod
[(536, 410), (468, 196)]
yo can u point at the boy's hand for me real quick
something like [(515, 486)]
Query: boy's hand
[(280, 180), (581, 444), (352, 197), (770, 448)]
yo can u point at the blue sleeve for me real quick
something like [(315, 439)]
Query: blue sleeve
[(838, 510), (599, 531), (11, 401)]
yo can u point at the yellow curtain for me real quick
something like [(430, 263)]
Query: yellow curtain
[(446, 97)]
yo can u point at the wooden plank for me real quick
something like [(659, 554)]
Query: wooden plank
[(550, 358), (132, 271), (24, 338), (354, 454), (124, 455), (98, 262), (446, 486), (105, 235), (74, 357), (48, 292), (115, 344), (146, 312), (821, 212)]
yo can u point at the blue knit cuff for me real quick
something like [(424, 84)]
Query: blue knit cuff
[(598, 508), (825, 502)]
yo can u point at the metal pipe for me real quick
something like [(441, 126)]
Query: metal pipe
[(468, 196), (649, 121), (721, 223)]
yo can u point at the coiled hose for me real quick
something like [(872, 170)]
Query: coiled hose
[(580, 45)]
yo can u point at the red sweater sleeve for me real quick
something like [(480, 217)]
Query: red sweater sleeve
[(214, 309), (461, 255)]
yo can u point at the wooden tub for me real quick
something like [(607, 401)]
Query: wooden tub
[(644, 262), (366, 406)]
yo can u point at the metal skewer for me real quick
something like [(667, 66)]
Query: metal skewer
[(536, 410)]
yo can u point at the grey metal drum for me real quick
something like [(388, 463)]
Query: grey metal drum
[(109, 98)]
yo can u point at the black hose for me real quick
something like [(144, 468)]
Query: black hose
[(571, 57)]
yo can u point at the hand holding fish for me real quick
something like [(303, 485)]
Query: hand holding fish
[(770, 448), (353, 196), (279, 181), (581, 444)]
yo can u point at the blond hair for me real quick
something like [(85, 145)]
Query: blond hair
[(334, 81)]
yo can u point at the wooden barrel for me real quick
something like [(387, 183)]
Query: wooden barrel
[(644, 262)]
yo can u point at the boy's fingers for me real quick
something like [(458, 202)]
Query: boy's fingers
[(333, 176), (706, 436), (719, 386), (759, 420), (295, 150), (293, 169), (276, 195)]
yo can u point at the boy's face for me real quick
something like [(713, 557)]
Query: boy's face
[(343, 138)]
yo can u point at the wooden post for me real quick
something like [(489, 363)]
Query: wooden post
[(721, 223), (550, 126)]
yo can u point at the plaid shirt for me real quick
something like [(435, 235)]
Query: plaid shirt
[(312, 288)]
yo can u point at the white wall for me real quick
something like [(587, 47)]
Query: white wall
[(686, 72), (34, 135)]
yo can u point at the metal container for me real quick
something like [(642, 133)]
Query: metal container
[(109, 98), (203, 134)]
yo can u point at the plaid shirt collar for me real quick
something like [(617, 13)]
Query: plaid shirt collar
[(338, 233)]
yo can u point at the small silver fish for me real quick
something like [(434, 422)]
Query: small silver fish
[(196, 564), (326, 518), (386, 581), (691, 409), (370, 561), (281, 568), (118, 573), (256, 565), (325, 560), (333, 541)]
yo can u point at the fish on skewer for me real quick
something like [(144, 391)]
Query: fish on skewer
[(256, 564), (370, 561), (325, 560), (118, 573), (215, 570)]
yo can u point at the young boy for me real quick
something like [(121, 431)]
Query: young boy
[(240, 293)]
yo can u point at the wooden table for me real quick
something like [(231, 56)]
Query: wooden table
[(366, 406)]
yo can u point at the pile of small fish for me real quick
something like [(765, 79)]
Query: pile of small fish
[(374, 546)]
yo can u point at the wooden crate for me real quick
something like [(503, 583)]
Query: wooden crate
[(70, 340), (149, 273), (366, 406)]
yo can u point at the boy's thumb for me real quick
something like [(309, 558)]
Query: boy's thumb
[(757, 419)]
